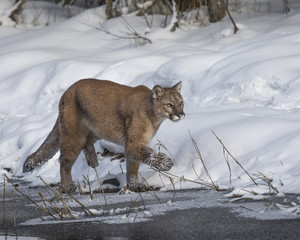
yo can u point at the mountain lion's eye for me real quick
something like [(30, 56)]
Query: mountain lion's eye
[(181, 103), (169, 105)]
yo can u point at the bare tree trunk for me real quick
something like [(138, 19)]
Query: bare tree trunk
[(174, 21), (216, 9), (230, 17), (12, 15), (108, 10), (287, 7)]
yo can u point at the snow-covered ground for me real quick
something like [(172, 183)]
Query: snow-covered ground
[(245, 87)]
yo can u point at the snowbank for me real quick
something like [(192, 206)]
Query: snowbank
[(245, 87)]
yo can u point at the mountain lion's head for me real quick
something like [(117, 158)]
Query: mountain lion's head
[(168, 102)]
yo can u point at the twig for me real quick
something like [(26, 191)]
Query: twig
[(174, 189), (122, 171), (134, 32), (234, 158), (4, 216), (15, 210), (53, 208), (143, 202), (132, 35), (196, 172), (90, 188), (58, 195), (200, 156), (161, 145), (228, 164), (230, 17), (270, 204), (167, 174), (246, 208), (149, 188), (161, 180), (267, 180), (79, 188), (84, 208), (287, 7), (18, 190), (101, 186)]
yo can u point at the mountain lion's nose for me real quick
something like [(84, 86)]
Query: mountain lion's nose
[(181, 115)]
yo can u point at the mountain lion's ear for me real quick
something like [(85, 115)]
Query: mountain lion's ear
[(178, 86), (157, 92)]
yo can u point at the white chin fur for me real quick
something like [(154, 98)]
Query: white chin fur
[(175, 118)]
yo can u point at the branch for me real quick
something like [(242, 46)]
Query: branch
[(230, 17), (238, 163), (131, 35), (287, 7), (174, 20)]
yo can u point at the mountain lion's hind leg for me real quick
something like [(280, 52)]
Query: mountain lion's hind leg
[(69, 150)]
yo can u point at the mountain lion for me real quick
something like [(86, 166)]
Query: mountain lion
[(94, 109)]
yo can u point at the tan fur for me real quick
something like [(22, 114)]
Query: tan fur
[(94, 109)]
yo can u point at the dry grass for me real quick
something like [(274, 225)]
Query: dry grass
[(4, 196), (203, 163), (101, 187), (57, 206), (61, 210), (87, 179)]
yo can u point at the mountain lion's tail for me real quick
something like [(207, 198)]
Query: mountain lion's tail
[(46, 151)]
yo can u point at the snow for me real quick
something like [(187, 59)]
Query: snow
[(245, 87)]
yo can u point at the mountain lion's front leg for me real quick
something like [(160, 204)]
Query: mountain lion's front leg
[(139, 134), (140, 154), (90, 153)]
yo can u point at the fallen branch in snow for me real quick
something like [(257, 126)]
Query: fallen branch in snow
[(132, 34), (182, 178), (270, 204), (266, 180), (230, 17)]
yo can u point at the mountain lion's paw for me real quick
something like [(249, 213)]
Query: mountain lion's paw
[(69, 188), (137, 187), (160, 161)]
